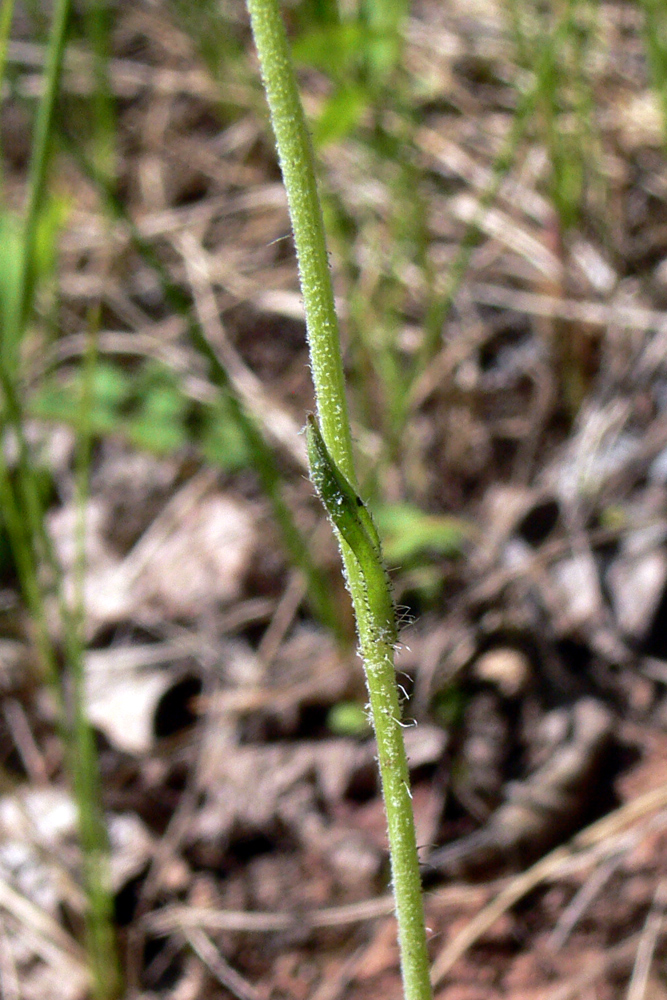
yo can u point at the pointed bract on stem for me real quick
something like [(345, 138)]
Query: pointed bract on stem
[(352, 519)]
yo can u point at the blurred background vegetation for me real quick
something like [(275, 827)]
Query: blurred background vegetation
[(493, 173)]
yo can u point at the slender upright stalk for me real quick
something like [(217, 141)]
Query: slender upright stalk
[(39, 158), (332, 470), (298, 169), (84, 764)]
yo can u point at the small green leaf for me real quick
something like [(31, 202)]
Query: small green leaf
[(111, 385), (449, 705), (340, 115), (348, 718), (332, 48), (355, 525), (59, 397), (221, 440), (161, 436), (344, 506), (409, 533)]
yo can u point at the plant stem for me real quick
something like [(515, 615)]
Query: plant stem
[(332, 466), (298, 169)]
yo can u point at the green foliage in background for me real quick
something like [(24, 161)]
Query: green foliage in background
[(51, 219), (367, 99), (555, 44), (655, 34), (148, 407), (359, 52), (349, 718), (409, 535)]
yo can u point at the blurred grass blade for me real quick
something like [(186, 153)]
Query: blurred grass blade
[(43, 132), (655, 36), (6, 17), (84, 763), (528, 103), (97, 16), (385, 19)]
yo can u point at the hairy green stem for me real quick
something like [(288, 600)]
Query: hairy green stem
[(298, 169), (332, 470)]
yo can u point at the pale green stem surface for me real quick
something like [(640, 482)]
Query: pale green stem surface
[(332, 470), (298, 169)]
